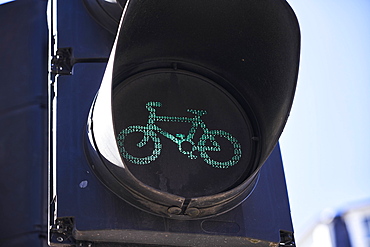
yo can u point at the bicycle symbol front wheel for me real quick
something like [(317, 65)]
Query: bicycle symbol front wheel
[(148, 135), (209, 138)]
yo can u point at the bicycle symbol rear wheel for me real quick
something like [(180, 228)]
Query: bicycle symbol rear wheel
[(148, 135), (203, 147)]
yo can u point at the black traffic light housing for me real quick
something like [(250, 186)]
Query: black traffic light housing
[(191, 105)]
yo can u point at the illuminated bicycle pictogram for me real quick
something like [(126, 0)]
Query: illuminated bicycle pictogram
[(206, 143)]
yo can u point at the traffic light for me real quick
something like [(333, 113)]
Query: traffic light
[(171, 139)]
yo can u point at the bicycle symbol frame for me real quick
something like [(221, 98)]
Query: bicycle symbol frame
[(151, 131)]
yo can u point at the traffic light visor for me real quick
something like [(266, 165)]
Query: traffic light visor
[(193, 101)]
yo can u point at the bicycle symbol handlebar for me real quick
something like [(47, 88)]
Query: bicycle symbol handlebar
[(151, 130)]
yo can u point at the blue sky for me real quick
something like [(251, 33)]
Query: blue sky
[(325, 144)]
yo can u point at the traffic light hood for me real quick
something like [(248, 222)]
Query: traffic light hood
[(194, 98)]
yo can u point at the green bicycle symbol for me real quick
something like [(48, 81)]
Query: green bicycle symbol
[(207, 142)]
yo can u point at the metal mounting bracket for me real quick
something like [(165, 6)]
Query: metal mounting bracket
[(62, 231), (287, 239), (63, 61)]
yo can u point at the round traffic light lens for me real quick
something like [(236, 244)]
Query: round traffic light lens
[(181, 133)]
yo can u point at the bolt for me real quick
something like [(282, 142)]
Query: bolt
[(174, 210), (192, 212), (60, 239)]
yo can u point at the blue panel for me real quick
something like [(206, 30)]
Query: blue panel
[(23, 123)]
